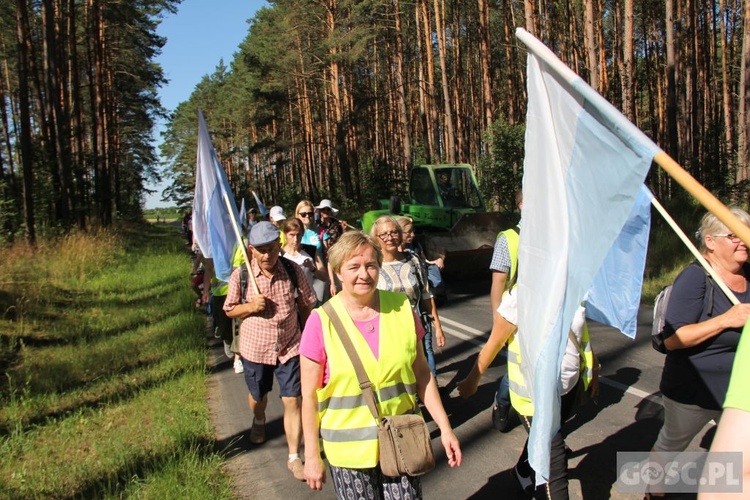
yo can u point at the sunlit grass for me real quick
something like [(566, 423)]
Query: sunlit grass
[(103, 388)]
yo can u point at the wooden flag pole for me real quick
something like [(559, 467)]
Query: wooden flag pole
[(241, 244), (703, 195)]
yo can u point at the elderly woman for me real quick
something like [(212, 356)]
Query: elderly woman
[(409, 246), (402, 272), (701, 333), (385, 333)]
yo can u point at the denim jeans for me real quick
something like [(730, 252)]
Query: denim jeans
[(502, 396), (429, 352)]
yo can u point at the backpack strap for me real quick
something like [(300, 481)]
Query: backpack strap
[(243, 283), (289, 268)]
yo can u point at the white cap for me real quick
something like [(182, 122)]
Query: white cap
[(277, 214), (327, 204)]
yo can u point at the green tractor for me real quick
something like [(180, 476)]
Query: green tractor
[(450, 217)]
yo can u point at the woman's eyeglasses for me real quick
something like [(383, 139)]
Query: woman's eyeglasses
[(306, 214), (388, 236), (731, 237)]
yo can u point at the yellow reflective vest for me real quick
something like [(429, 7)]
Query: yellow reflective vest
[(512, 237), (519, 394), (347, 428)]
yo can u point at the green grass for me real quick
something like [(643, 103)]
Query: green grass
[(103, 391)]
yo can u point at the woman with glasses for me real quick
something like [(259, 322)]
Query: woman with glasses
[(434, 333), (385, 334), (701, 333), (305, 211), (402, 272)]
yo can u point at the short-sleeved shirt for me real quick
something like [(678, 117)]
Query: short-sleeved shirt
[(300, 258), (405, 276), (738, 394), (569, 370), (310, 237), (272, 335), (501, 256), (312, 346), (699, 375)]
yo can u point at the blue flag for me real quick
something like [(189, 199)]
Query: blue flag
[(584, 167), (243, 213), (261, 207), (615, 296), (212, 219)]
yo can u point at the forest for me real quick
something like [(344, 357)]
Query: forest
[(338, 98)]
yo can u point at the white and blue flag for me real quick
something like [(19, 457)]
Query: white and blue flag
[(261, 207), (584, 167), (243, 213), (212, 219), (615, 296)]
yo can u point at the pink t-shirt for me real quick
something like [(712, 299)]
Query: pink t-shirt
[(312, 347)]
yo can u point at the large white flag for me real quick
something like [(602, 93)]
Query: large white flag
[(584, 166), (212, 219)]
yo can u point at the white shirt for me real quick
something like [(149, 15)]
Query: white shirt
[(569, 371), (300, 259)]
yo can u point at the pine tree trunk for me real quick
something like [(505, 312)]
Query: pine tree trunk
[(590, 42), (485, 62), (58, 118), (628, 90), (24, 41), (743, 113), (673, 146), (401, 91), (529, 13), (430, 101), (450, 137), (725, 90)]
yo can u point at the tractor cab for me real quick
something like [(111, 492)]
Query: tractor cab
[(450, 186)]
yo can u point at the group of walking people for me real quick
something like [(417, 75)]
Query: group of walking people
[(377, 284)]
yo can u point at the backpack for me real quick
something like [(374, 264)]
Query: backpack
[(660, 313)]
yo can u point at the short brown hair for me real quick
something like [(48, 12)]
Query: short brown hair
[(292, 224), (347, 245)]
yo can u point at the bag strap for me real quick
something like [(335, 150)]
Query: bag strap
[(243, 283), (364, 382), (289, 268)]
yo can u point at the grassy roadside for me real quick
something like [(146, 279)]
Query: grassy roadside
[(104, 375)]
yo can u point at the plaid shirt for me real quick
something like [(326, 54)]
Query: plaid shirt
[(272, 335)]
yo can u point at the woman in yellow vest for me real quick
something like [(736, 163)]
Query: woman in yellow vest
[(386, 334)]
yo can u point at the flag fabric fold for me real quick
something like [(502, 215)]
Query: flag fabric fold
[(243, 213), (212, 218), (261, 207), (583, 170), (615, 296)]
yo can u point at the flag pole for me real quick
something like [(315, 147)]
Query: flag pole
[(696, 253), (242, 246), (703, 195)]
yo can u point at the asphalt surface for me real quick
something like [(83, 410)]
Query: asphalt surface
[(627, 418)]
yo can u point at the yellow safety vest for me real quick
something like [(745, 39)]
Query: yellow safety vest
[(347, 428), (519, 394), (512, 237)]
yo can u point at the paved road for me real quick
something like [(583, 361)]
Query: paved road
[(627, 418)]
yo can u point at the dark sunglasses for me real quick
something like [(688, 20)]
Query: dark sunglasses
[(306, 214)]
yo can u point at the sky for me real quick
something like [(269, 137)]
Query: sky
[(198, 37)]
